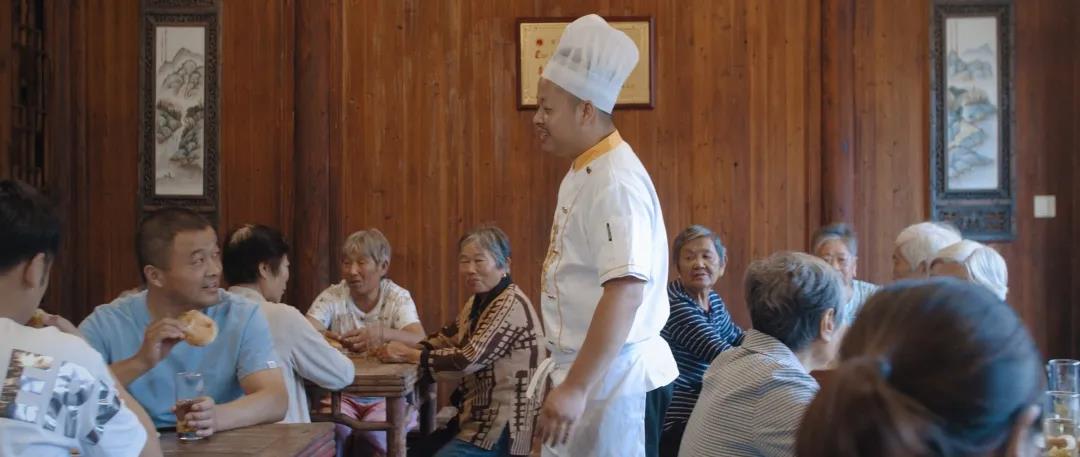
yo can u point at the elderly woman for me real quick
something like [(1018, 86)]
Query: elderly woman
[(916, 246), (366, 301), (838, 246), (753, 396), (973, 262), (698, 329), (493, 347), (966, 389)]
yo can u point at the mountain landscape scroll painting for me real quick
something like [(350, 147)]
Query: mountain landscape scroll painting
[(971, 110), (178, 101), (971, 160)]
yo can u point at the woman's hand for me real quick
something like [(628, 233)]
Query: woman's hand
[(395, 352)]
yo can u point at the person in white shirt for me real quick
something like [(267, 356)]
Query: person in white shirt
[(603, 294), (916, 247), (838, 246), (366, 301), (58, 394), (256, 265), (365, 298)]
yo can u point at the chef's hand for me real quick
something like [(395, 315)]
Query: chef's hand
[(562, 409)]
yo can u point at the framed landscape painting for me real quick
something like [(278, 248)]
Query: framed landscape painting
[(971, 117), (179, 106)]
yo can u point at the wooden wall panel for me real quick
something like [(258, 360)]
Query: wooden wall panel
[(433, 143), (7, 89), (401, 115), (1073, 205), (891, 104), (67, 170), (256, 113), (111, 120), (1046, 145), (256, 135)]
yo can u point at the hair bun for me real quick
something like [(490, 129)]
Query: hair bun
[(878, 364)]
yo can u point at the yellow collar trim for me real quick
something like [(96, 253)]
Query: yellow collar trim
[(603, 147)]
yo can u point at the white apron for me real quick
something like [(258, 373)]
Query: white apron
[(613, 424)]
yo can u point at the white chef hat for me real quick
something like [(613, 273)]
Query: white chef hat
[(592, 61)]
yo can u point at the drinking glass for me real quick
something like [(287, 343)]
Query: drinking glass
[(1063, 375), (376, 336), (189, 387), (1060, 414)]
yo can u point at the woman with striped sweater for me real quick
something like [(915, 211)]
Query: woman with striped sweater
[(699, 327)]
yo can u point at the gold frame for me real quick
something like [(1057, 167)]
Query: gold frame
[(537, 38)]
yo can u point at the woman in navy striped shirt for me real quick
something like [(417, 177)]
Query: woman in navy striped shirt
[(699, 327)]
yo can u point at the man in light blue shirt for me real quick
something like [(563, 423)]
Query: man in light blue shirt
[(143, 342)]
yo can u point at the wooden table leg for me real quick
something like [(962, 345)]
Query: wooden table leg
[(428, 399), (395, 437)]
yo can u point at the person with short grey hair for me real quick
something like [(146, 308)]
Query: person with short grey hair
[(838, 246), (698, 330), (492, 240), (366, 302), (753, 396), (492, 345)]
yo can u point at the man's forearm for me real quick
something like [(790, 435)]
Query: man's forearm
[(611, 323), (128, 370), (262, 407)]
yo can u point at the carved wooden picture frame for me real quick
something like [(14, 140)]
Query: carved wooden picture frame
[(971, 117), (179, 105)]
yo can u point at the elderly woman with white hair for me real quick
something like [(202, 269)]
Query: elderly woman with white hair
[(916, 247), (973, 262)]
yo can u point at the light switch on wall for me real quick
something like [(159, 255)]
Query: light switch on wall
[(1045, 207)]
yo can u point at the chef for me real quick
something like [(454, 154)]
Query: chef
[(603, 294)]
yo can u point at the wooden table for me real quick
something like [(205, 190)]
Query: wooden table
[(398, 383), (272, 440)]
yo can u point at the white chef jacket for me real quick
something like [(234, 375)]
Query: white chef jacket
[(608, 224)]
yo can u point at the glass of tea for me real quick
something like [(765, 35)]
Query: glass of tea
[(1061, 412), (189, 387), (375, 336)]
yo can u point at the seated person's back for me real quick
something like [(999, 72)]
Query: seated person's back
[(753, 396), (58, 394), (939, 368), (142, 339), (257, 267), (88, 415)]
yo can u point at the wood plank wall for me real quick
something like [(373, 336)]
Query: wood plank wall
[(433, 145), (401, 115)]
